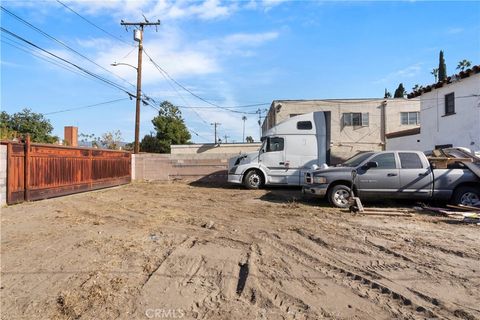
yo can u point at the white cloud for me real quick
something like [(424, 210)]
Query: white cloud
[(240, 44), (269, 4), (249, 39), (454, 30), (407, 72), (127, 9)]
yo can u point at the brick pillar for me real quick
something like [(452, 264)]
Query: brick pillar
[(71, 136)]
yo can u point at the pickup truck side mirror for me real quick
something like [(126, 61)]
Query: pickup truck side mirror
[(370, 164)]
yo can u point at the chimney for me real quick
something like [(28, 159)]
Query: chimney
[(71, 136)]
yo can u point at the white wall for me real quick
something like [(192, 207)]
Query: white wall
[(461, 129), (405, 143)]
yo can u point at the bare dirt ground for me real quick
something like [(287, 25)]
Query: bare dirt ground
[(173, 250)]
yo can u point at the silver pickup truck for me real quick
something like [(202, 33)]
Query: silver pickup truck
[(395, 175)]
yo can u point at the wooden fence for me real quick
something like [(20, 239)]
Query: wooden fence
[(40, 171)]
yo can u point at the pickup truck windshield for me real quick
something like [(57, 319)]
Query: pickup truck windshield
[(356, 159)]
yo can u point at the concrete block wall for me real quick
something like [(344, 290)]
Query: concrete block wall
[(3, 175), (213, 151), (166, 167), (193, 162)]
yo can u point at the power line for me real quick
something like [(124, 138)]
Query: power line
[(19, 46), (93, 24), (123, 41), (181, 97), (62, 43), (84, 107), (109, 82), (161, 70)]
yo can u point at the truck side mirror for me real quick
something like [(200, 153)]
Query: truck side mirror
[(370, 164)]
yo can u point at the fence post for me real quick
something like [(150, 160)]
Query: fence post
[(9, 173), (27, 169)]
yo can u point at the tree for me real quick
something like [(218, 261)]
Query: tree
[(400, 92), (464, 64), (244, 118), (249, 139), (170, 127), (28, 122), (151, 144), (387, 95), (442, 68), (417, 87), (434, 72), (111, 140), (88, 140)]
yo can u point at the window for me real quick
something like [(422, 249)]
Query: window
[(275, 144), (410, 117), (385, 161), (304, 125), (450, 104), (410, 160), (356, 119)]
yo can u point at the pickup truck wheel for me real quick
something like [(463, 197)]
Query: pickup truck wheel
[(466, 196), (253, 180), (338, 196)]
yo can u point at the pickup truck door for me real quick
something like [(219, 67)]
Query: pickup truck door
[(416, 178), (383, 180), (273, 160)]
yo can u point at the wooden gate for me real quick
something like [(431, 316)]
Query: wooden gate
[(40, 171)]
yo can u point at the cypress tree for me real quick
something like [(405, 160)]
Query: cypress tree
[(400, 92), (387, 94), (442, 68)]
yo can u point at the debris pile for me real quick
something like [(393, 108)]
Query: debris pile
[(462, 213)]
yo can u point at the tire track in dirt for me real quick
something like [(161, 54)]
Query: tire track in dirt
[(164, 257), (365, 286), (400, 261), (435, 303), (264, 294)]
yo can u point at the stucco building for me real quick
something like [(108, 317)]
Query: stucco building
[(356, 124), (450, 113)]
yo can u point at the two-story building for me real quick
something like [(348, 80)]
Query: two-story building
[(450, 113), (356, 124)]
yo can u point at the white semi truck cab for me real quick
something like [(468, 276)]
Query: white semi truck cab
[(288, 150)]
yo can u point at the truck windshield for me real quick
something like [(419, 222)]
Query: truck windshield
[(356, 159)]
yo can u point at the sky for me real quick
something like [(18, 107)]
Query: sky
[(223, 59)]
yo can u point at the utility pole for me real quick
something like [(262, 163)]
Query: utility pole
[(215, 124), (260, 111), (138, 36), (225, 136)]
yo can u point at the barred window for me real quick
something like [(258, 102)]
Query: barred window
[(449, 103)]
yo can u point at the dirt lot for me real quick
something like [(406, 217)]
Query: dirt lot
[(169, 251)]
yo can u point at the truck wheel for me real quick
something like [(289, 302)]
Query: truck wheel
[(466, 196), (338, 196), (253, 180)]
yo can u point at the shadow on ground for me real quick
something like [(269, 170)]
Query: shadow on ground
[(217, 179)]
